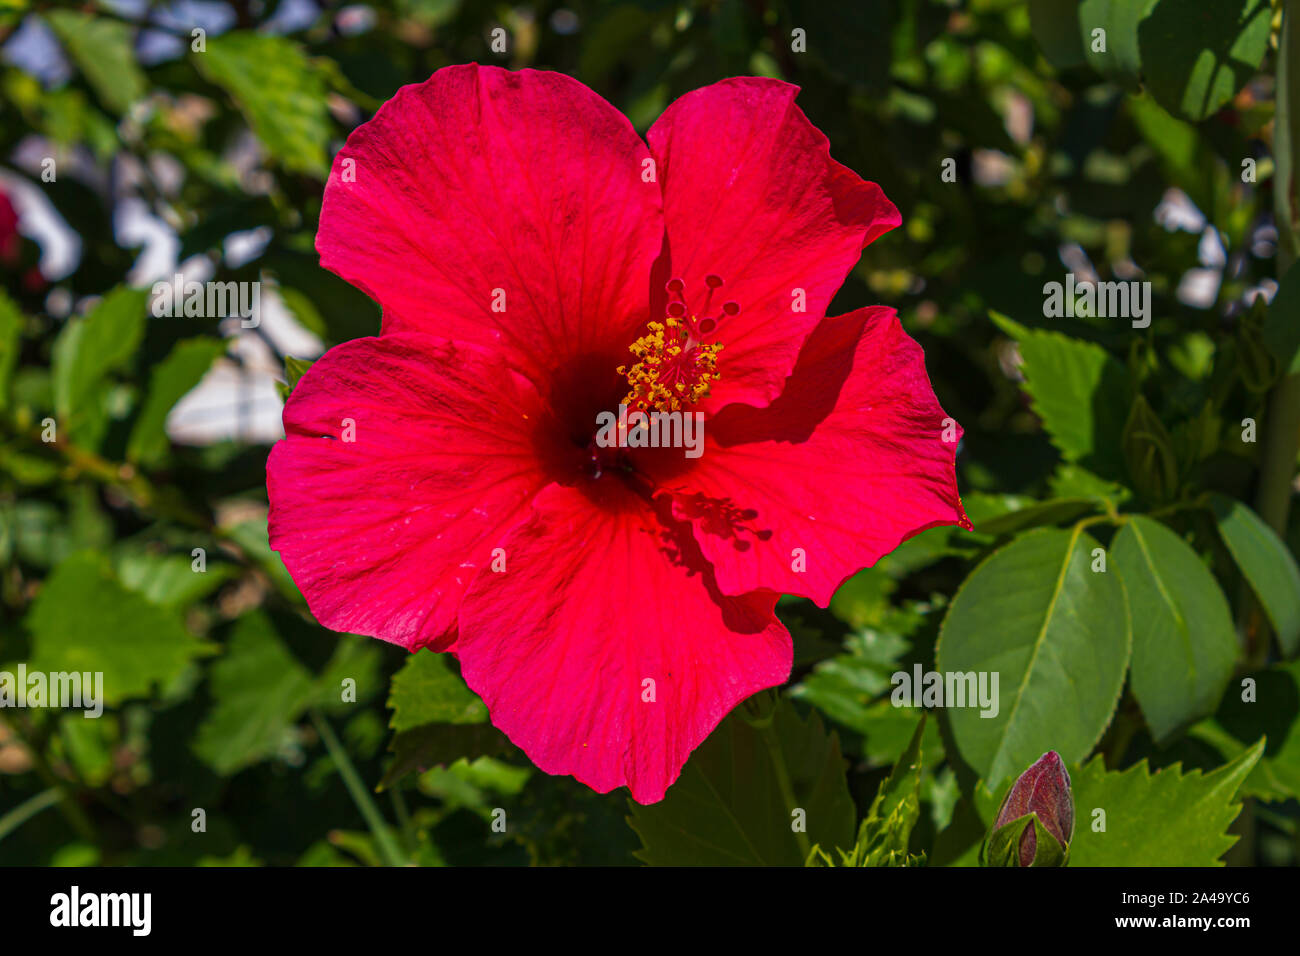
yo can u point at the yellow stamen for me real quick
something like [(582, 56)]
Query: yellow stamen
[(672, 370)]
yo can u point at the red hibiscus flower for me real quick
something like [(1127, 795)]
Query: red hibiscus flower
[(538, 265)]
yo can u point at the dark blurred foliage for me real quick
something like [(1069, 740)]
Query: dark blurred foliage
[(1057, 164)]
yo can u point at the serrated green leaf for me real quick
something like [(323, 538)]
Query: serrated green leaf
[(1057, 635), (172, 379), (258, 689), (1079, 391), (885, 831), (83, 619), (431, 745), (279, 91), (1184, 643), (426, 691), (1267, 565), (731, 806), (884, 834), (88, 348), (1166, 818), (102, 50)]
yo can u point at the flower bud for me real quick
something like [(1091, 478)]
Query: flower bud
[(1149, 453), (1036, 822)]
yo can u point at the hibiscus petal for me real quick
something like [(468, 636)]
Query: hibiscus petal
[(849, 462), (480, 179), (600, 596), (752, 195), (384, 533)]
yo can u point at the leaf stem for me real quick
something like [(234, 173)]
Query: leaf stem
[(388, 847)]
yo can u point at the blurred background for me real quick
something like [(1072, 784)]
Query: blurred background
[(144, 140)]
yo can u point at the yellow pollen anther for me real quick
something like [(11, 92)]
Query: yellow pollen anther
[(673, 370)]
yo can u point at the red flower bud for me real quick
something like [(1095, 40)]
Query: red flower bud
[(1043, 789)]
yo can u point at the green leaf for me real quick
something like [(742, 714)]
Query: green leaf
[(1267, 565), (172, 379), (437, 718), (1121, 60), (737, 799), (83, 619), (357, 659), (1055, 25), (102, 50), (88, 744), (1184, 643), (11, 327), (1197, 55), (1175, 141), (1031, 514), (294, 369), (1071, 481), (1166, 818), (251, 535), (1057, 636), (1281, 332), (426, 691), (259, 689), (1149, 453), (430, 745), (169, 580), (304, 310), (853, 688), (90, 347), (884, 833), (279, 90), (963, 842), (1079, 391), (1266, 704)]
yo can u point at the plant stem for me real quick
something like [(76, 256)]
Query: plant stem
[(388, 847), (402, 813), (1122, 734), (26, 810), (68, 804), (1282, 427)]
